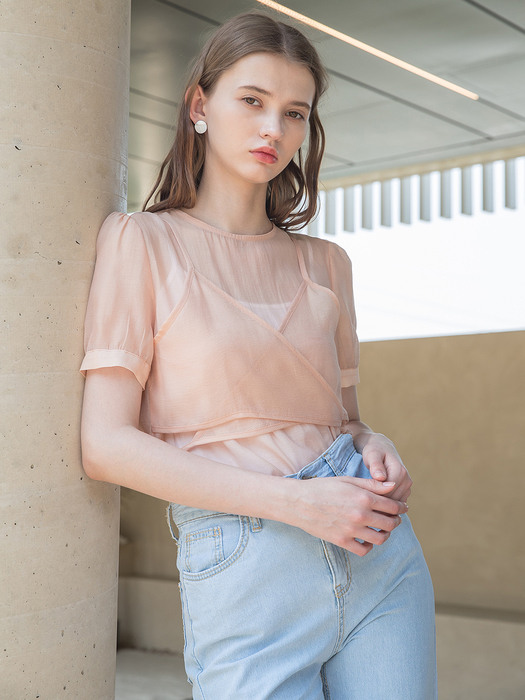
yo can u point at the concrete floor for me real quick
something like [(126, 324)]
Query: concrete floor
[(145, 675)]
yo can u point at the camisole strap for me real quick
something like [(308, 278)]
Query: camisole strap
[(173, 232)]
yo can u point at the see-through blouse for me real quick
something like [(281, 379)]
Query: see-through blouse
[(241, 342)]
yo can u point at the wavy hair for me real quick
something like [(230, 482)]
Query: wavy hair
[(291, 200)]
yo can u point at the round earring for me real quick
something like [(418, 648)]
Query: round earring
[(201, 127)]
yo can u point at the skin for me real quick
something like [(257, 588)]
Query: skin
[(273, 112)]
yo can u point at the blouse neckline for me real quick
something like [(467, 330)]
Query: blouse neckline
[(227, 234)]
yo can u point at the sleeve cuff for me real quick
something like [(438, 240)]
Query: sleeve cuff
[(95, 359), (349, 377)]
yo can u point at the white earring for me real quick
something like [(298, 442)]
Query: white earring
[(201, 127)]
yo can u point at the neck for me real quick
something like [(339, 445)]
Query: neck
[(238, 208)]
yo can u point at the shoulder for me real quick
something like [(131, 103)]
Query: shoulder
[(150, 224), (120, 246), (319, 244), (143, 229), (165, 225), (321, 248), (118, 223), (116, 229), (162, 234), (139, 222)]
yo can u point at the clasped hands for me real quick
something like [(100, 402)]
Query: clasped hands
[(356, 513)]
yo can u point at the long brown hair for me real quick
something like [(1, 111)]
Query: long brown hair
[(291, 200)]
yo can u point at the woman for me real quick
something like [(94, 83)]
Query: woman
[(221, 364)]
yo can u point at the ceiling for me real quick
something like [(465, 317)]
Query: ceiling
[(378, 118)]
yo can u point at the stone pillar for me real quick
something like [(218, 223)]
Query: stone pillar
[(65, 74)]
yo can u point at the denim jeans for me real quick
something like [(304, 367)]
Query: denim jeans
[(273, 613)]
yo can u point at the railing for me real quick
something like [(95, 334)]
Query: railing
[(425, 197)]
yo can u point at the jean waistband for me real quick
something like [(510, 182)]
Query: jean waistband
[(332, 462)]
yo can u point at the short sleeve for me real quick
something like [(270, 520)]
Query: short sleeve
[(347, 343), (120, 316)]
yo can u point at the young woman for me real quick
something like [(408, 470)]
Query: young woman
[(221, 364)]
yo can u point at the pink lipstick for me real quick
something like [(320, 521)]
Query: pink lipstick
[(265, 154)]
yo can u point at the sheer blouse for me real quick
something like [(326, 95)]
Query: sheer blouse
[(241, 342)]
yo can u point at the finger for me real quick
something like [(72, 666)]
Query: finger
[(376, 495), (378, 491), (402, 490), (376, 467), (400, 494), (373, 536), (381, 487), (386, 500), (387, 505), (359, 548), (382, 523)]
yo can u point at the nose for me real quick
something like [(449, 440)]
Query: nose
[(272, 126)]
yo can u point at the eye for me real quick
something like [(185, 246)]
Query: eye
[(295, 115), (251, 100)]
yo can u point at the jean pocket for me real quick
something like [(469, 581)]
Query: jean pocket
[(206, 551)]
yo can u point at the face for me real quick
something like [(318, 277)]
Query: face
[(257, 116)]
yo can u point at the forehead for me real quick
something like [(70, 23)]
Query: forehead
[(275, 74)]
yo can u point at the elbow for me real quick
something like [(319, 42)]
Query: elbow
[(93, 461), (106, 452), (91, 466)]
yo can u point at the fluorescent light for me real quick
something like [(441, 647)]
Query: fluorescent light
[(369, 49)]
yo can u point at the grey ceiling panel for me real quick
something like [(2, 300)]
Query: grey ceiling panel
[(359, 135), (511, 11)]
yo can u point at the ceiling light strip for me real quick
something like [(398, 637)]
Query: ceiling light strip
[(369, 49)]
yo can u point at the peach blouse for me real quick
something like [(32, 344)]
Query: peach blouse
[(240, 342)]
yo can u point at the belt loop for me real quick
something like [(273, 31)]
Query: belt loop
[(255, 524), (171, 522)]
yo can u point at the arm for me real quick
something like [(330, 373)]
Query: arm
[(114, 449), (379, 454)]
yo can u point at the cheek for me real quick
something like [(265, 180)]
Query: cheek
[(233, 127), (298, 138)]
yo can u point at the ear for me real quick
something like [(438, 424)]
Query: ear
[(198, 105)]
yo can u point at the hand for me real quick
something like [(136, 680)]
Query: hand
[(343, 509), (384, 463)]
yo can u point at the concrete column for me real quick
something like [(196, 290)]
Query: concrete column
[(405, 206), (331, 212), (386, 203), (446, 194), (349, 210), (511, 199), (467, 204), (65, 66), (367, 206), (488, 187), (425, 197)]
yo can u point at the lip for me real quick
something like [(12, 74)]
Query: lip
[(265, 154)]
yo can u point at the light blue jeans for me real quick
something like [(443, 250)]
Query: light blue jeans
[(273, 613)]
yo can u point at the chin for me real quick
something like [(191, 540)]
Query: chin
[(265, 174), (259, 178)]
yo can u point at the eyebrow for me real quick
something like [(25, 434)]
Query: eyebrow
[(262, 91)]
